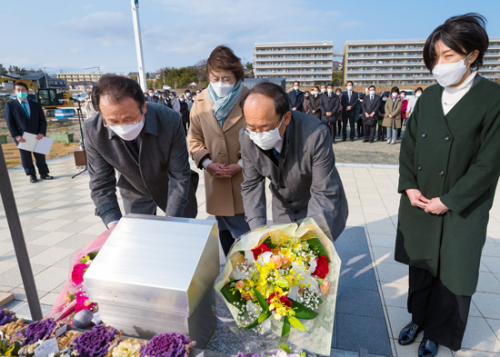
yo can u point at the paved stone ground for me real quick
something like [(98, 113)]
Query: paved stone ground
[(57, 218)]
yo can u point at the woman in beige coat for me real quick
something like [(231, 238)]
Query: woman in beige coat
[(392, 118), (213, 142)]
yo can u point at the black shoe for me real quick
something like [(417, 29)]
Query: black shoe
[(344, 139), (33, 179), (365, 141), (428, 348), (46, 177), (409, 333), (352, 139), (371, 141)]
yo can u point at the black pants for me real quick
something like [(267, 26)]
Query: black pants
[(348, 116), (381, 132), (339, 126), (29, 168), (331, 128), (369, 131), (442, 313)]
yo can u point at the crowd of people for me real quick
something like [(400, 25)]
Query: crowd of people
[(371, 117)]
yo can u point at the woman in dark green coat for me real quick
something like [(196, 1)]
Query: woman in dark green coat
[(449, 169)]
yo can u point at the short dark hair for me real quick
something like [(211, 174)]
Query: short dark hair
[(273, 91), (463, 34), (296, 82), (151, 89), (330, 85), (419, 89), (338, 90), (352, 83), (316, 88), (222, 57), (372, 86), (22, 84), (117, 88), (395, 89), (403, 91)]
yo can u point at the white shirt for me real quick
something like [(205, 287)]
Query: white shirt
[(279, 145), (452, 95), (27, 105)]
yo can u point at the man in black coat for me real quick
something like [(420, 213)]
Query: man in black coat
[(370, 109), (152, 97), (23, 115), (296, 97), (349, 102), (329, 104)]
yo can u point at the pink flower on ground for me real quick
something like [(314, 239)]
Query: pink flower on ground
[(77, 273), (83, 302)]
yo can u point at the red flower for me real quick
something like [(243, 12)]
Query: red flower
[(284, 299), (259, 250), (322, 267), (77, 273)]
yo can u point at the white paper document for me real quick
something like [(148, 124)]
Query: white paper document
[(41, 146)]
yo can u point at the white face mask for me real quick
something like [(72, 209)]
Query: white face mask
[(394, 95), (315, 93), (403, 96), (181, 99), (295, 87), (323, 90), (330, 91), (372, 92), (448, 74), (418, 94), (222, 89), (128, 132), (266, 140), (349, 88), (384, 99)]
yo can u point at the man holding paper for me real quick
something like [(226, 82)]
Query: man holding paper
[(25, 116)]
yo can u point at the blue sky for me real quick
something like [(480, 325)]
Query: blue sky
[(72, 35)]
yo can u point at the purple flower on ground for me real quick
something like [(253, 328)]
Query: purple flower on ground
[(94, 343), (38, 331), (167, 345), (247, 355), (6, 316)]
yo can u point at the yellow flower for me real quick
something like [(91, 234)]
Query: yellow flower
[(127, 349)]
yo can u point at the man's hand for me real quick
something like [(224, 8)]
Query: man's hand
[(417, 199), (313, 111), (20, 139), (39, 137), (372, 114), (390, 116), (348, 108), (294, 108), (435, 206), (328, 114), (231, 170), (112, 226)]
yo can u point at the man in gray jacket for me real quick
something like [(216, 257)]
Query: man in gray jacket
[(145, 143), (294, 151)]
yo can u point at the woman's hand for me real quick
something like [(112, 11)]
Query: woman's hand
[(231, 170), (216, 169), (435, 206), (417, 199)]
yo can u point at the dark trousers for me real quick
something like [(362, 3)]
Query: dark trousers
[(369, 131), (29, 168), (381, 132), (339, 126), (331, 128), (442, 313), (348, 116)]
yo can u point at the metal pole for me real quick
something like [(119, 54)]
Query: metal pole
[(138, 44), (23, 260)]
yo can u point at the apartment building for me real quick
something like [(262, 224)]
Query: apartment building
[(310, 63), (79, 77), (401, 62)]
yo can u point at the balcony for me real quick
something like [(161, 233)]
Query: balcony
[(293, 58), (384, 57), (285, 66), (389, 71), (327, 51), (389, 49), (293, 73)]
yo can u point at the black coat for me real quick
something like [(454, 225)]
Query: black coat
[(184, 112), (18, 122), (332, 105), (369, 107), (296, 100), (346, 103)]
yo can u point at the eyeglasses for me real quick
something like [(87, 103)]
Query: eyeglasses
[(248, 131), (124, 123), (221, 79)]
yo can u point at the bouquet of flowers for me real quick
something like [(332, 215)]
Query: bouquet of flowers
[(284, 279)]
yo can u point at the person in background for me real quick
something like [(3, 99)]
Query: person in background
[(184, 111), (189, 99), (176, 105), (323, 89), (359, 115), (198, 91), (404, 108), (392, 118), (153, 98), (329, 105), (315, 100), (412, 102), (214, 145), (294, 151), (307, 103), (381, 110), (448, 174), (89, 107), (370, 107), (296, 97), (24, 115), (350, 103), (165, 100), (338, 91)]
